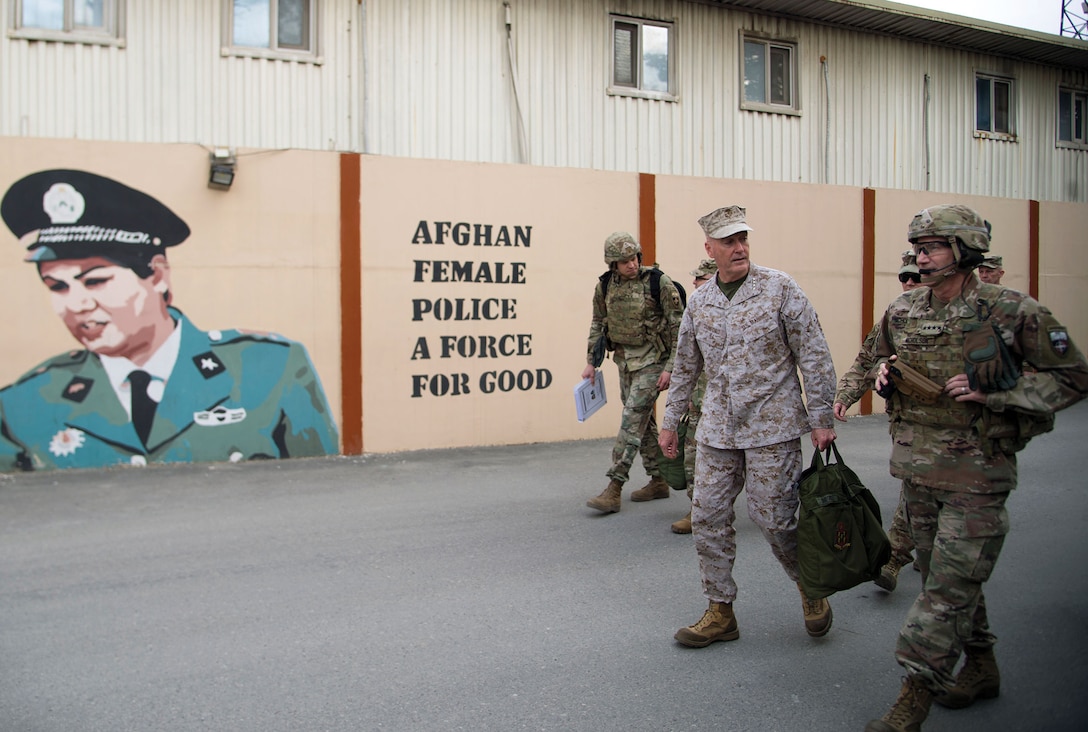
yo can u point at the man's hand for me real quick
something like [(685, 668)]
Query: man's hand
[(823, 437), (664, 380), (883, 378), (840, 411), (669, 442), (590, 373)]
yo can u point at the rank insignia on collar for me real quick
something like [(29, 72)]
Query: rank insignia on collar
[(65, 442), (219, 416), (78, 389), (209, 364), (1059, 340)]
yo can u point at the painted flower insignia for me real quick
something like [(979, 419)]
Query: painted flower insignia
[(66, 442)]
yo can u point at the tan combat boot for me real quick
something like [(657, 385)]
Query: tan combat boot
[(817, 614), (683, 526), (889, 574), (978, 679), (909, 711), (717, 624), (656, 488), (609, 500)]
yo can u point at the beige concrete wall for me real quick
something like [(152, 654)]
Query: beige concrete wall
[(568, 214), (263, 255), (1063, 266)]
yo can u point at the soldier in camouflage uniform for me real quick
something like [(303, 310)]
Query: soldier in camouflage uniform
[(1000, 365), (750, 333), (147, 384), (991, 270), (703, 273), (641, 329), (855, 382)]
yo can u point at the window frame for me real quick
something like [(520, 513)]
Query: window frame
[(274, 52), (110, 33), (1076, 94), (793, 45), (617, 89), (992, 134)]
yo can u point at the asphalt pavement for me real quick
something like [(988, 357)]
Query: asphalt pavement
[(471, 589)]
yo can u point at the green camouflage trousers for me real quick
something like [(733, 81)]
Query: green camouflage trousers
[(638, 428), (769, 476), (957, 537), (899, 533)]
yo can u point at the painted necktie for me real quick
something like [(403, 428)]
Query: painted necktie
[(143, 406)]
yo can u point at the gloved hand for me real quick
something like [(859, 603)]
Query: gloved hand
[(987, 362)]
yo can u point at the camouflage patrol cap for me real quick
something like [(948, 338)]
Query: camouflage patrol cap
[(952, 221), (722, 223), (706, 268), (620, 247), (992, 262), (73, 214)]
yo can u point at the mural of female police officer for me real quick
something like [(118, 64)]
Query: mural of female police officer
[(146, 385)]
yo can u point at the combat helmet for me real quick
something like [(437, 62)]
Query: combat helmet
[(966, 232), (621, 246)]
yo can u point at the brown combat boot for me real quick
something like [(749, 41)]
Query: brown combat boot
[(889, 574), (909, 711), (978, 679), (818, 614), (717, 624), (609, 500), (656, 488), (683, 526)]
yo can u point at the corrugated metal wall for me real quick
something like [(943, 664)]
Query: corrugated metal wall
[(170, 83), (433, 79)]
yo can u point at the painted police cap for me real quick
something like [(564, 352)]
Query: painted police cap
[(79, 214)]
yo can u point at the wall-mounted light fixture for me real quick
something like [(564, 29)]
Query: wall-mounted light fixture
[(223, 165)]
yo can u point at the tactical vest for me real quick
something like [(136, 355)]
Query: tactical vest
[(633, 316)]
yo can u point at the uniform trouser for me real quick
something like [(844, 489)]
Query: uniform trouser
[(899, 534), (690, 448), (957, 537), (638, 428), (769, 475)]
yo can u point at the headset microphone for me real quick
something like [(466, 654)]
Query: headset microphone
[(927, 272)]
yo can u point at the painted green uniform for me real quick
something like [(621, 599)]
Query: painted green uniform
[(231, 396), (957, 460)]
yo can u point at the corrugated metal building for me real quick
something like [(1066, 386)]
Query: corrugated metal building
[(815, 91)]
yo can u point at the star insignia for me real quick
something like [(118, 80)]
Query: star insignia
[(208, 364)]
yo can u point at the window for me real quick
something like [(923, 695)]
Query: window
[(994, 106), (643, 58), (272, 28), (1072, 118), (78, 21), (770, 70)]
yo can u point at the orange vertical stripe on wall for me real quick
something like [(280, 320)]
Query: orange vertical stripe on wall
[(1033, 249), (351, 305), (868, 277), (647, 217)]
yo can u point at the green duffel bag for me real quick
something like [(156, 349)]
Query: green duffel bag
[(672, 469), (840, 540)]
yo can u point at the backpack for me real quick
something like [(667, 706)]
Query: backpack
[(655, 286)]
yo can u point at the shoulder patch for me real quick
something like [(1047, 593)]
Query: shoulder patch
[(78, 389), (208, 364)]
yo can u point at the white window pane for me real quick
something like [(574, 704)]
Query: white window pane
[(1065, 116), (1002, 97), (755, 72), (90, 13), (252, 26), (655, 58), (43, 14)]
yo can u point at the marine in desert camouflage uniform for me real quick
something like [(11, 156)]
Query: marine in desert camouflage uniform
[(1004, 365), (750, 334), (641, 330)]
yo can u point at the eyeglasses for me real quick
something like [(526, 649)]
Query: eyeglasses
[(929, 248), (703, 278)]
